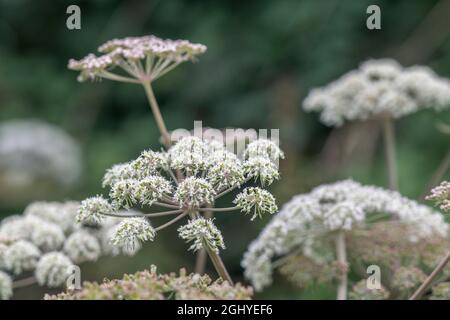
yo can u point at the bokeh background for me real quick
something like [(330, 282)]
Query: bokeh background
[(263, 57)]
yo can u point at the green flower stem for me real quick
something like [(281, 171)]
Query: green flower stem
[(214, 256), (157, 113), (165, 225), (390, 154), (218, 264), (428, 281), (24, 282), (163, 213), (220, 209)]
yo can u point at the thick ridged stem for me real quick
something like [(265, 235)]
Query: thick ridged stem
[(390, 154)]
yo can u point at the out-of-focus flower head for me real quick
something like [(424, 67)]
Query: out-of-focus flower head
[(343, 206), (379, 88), (33, 152), (146, 57), (441, 195)]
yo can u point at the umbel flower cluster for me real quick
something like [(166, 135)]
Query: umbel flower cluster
[(306, 222), (441, 195), (379, 88), (149, 285), (138, 57), (32, 151), (46, 241), (186, 180)]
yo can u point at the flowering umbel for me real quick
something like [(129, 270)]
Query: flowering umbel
[(306, 223), (147, 57), (47, 240), (208, 171), (379, 88)]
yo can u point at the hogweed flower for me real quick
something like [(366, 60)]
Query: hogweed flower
[(379, 88), (93, 209), (343, 207), (256, 201), (138, 57), (408, 278), (131, 231), (187, 180), (441, 195), (52, 269), (81, 246), (46, 235), (21, 256), (202, 232), (194, 192), (149, 285)]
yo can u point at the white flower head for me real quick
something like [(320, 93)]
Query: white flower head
[(46, 235), (52, 269), (194, 192), (379, 88), (343, 216), (114, 250), (263, 148), (151, 189), (262, 168), (61, 213), (344, 205), (202, 232), (131, 231), (32, 151), (123, 193), (81, 246), (21, 256), (189, 154), (225, 174), (93, 209), (118, 172), (149, 163), (256, 201), (159, 55), (6, 290)]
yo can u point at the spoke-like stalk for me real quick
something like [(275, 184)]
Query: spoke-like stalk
[(157, 113), (116, 77), (214, 256), (165, 205), (162, 214), (24, 282), (390, 154), (165, 225), (341, 254), (219, 209), (218, 264), (428, 281), (201, 257)]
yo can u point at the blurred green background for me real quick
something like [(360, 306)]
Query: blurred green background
[(263, 57)]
